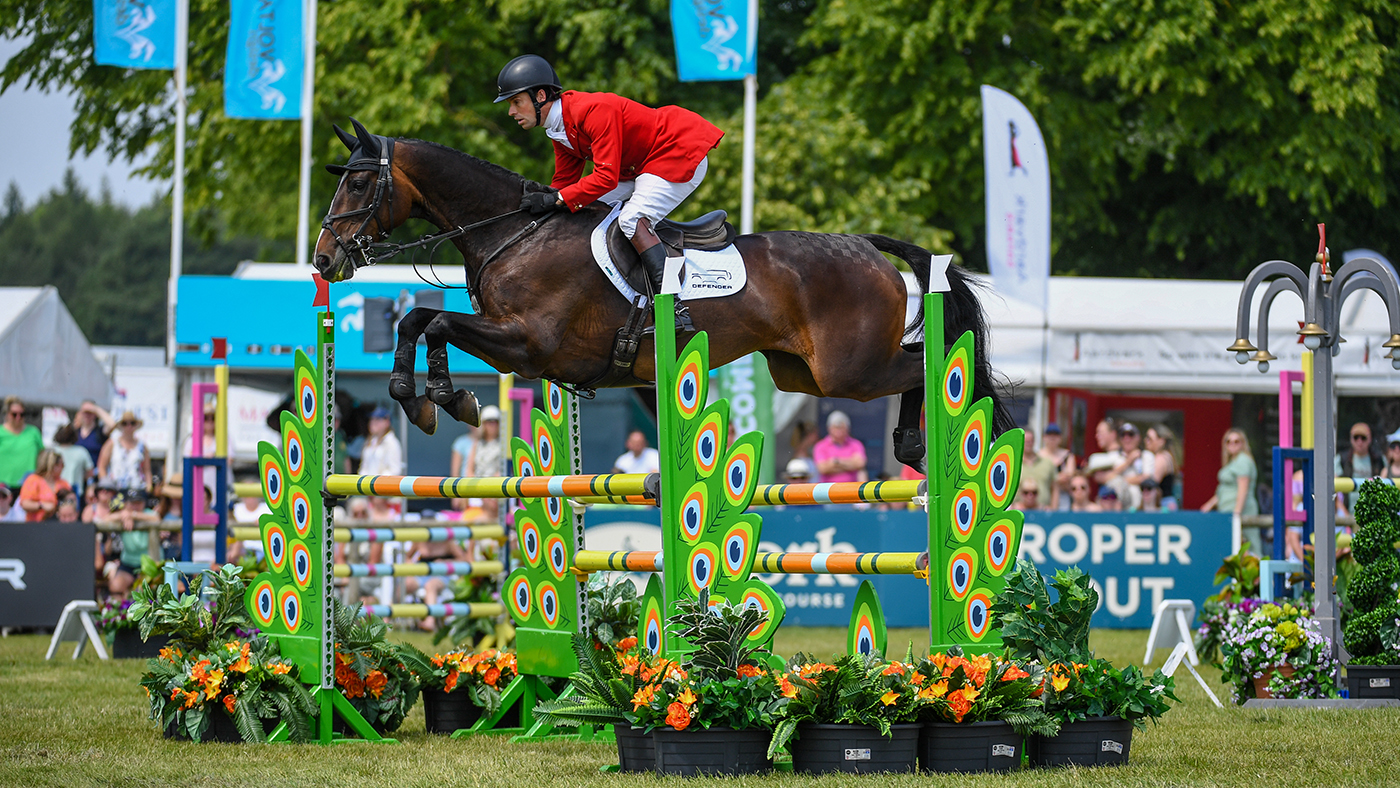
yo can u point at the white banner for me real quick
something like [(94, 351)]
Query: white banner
[(1018, 198)]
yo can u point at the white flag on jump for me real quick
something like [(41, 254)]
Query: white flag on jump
[(1018, 198)]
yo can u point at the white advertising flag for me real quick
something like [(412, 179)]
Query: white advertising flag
[(1018, 198)]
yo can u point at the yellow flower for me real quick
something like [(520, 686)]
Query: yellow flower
[(687, 697), (935, 690), (1059, 682), (889, 698), (211, 685)]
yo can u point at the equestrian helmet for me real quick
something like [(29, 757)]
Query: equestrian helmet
[(526, 72)]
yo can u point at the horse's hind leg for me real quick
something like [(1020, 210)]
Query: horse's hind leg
[(402, 386), (909, 445), (460, 404)]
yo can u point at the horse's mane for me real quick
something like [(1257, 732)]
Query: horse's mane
[(491, 167)]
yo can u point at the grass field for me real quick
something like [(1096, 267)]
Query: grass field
[(66, 723)]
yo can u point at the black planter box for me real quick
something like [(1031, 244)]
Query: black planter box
[(221, 729), (859, 749), (992, 746), (445, 712), (697, 751), (127, 644), (1373, 681), (636, 751), (1098, 741)]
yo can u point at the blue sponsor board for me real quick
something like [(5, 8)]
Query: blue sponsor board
[(1136, 559), (265, 319)]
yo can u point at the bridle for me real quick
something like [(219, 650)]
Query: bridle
[(373, 251)]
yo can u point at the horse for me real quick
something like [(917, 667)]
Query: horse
[(827, 311)]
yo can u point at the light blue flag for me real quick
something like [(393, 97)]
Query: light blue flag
[(262, 77), (715, 39), (134, 33)]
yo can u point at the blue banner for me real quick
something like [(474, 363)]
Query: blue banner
[(262, 77), (715, 39), (134, 33), (1135, 559)]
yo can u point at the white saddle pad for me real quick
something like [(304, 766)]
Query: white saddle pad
[(707, 274)]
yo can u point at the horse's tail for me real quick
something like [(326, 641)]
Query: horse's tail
[(962, 311)]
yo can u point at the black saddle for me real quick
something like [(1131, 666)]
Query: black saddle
[(710, 233)]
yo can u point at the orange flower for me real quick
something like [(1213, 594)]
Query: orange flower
[(1059, 682), (341, 658), (170, 653), (789, 691), (214, 681), (375, 682), (279, 668), (960, 702), (354, 686), (228, 703), (935, 690), (191, 698), (629, 664), (491, 676), (644, 696), (673, 671), (749, 671), (917, 679), (451, 682), (198, 673), (678, 716), (687, 697), (175, 693), (241, 666), (939, 660), (627, 644), (892, 669), (438, 659), (889, 698), (1014, 672)]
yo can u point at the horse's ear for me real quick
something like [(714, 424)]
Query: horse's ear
[(366, 140), (345, 137)]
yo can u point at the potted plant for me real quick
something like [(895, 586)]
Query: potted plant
[(977, 711), (613, 610), (1277, 651), (608, 691), (858, 714), (459, 686), (234, 692), (715, 712), (370, 671), (1369, 632), (1217, 617), (1098, 707), (123, 634)]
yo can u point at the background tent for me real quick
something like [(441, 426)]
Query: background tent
[(44, 357)]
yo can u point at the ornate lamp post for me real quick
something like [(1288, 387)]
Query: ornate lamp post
[(1322, 294)]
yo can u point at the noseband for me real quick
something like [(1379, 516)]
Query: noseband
[(383, 185)]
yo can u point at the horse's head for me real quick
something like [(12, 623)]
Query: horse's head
[(364, 208)]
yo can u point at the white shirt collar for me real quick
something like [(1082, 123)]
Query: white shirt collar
[(554, 123)]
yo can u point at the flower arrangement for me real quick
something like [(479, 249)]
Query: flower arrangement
[(1216, 617), (245, 679), (113, 617), (1369, 632), (196, 623), (481, 676), (370, 671), (958, 689), (1033, 627), (1281, 646), (855, 689), (1073, 691)]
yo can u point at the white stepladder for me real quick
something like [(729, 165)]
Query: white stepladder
[(76, 624), (1170, 626)]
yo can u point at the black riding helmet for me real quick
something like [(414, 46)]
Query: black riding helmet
[(528, 73)]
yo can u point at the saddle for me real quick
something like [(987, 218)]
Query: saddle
[(709, 233)]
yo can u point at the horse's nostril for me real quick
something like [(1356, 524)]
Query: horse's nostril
[(322, 261)]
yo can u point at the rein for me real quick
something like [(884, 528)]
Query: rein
[(372, 252)]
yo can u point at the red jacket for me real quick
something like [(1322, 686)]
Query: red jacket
[(624, 139)]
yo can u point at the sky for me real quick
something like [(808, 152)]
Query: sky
[(35, 125)]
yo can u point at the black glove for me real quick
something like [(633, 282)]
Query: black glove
[(539, 202)]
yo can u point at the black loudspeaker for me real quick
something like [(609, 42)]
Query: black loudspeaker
[(379, 325), (430, 299)]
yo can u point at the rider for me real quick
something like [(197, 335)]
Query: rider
[(651, 158)]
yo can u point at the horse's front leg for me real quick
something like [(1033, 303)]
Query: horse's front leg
[(500, 343), (402, 386)]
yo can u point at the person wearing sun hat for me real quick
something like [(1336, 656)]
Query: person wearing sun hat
[(124, 460), (485, 457)]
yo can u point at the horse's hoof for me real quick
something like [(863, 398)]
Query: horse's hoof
[(439, 391), (909, 447), (422, 412), (401, 388), (464, 408)]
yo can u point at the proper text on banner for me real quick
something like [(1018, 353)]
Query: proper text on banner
[(134, 33), (1018, 198), (263, 73), (715, 39)]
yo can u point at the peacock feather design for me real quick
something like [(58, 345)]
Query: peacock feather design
[(973, 537), (651, 620), (544, 595), (286, 600), (712, 544), (867, 633)]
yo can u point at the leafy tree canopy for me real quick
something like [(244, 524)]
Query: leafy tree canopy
[(1186, 137)]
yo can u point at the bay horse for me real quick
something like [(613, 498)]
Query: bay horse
[(826, 310)]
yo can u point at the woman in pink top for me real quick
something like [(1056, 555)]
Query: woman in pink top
[(839, 457)]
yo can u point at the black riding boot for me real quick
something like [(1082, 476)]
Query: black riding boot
[(654, 261)]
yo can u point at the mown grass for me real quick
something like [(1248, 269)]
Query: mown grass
[(66, 723)]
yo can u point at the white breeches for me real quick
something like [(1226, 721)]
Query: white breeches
[(652, 196)]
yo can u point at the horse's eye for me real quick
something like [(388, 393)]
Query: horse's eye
[(358, 187)]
